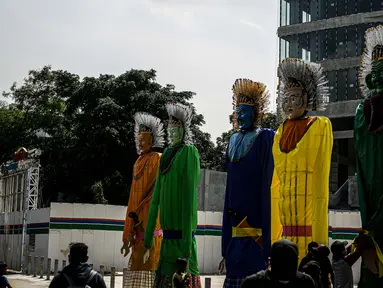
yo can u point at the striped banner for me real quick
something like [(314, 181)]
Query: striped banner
[(338, 233)]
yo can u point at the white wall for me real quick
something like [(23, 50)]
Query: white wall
[(87, 222), (11, 243), (104, 246)]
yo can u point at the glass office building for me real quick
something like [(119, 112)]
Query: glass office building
[(331, 32)]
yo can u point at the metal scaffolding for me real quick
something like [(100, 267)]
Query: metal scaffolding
[(19, 191)]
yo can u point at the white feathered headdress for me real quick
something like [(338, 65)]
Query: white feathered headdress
[(178, 112), (310, 76), (149, 123), (373, 52)]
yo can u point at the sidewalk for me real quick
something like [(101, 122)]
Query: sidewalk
[(23, 281)]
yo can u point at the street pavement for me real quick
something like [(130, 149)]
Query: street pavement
[(23, 281)]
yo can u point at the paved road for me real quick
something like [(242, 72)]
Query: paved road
[(22, 281)]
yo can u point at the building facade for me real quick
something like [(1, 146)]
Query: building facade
[(331, 32)]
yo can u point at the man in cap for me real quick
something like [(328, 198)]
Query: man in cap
[(283, 272)]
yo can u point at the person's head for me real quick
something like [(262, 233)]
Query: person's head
[(313, 269), (311, 246), (284, 260), (182, 265), (338, 250), (3, 268), (324, 251), (78, 253)]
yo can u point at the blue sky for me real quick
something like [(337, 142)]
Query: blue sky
[(201, 47)]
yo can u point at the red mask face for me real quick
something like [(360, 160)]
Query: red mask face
[(145, 141)]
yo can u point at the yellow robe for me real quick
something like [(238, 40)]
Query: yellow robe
[(300, 189), (144, 178)]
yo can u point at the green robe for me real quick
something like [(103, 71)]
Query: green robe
[(175, 196), (369, 158)]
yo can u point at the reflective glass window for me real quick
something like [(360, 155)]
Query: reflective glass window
[(352, 7), (376, 5), (351, 42), (322, 45), (341, 8), (363, 6), (341, 43), (313, 45), (352, 85), (314, 11), (331, 9), (322, 9), (342, 85), (331, 76), (331, 43)]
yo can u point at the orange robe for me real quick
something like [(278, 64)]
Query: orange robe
[(145, 173)]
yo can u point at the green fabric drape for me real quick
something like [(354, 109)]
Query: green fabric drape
[(175, 198), (369, 152), (369, 163)]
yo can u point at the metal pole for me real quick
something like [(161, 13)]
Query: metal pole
[(56, 267), (102, 272), (41, 267), (35, 267), (112, 276), (29, 270), (64, 264), (49, 262), (25, 217), (207, 282)]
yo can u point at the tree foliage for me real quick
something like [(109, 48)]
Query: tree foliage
[(90, 151)]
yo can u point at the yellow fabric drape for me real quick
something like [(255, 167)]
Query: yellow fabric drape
[(144, 177), (276, 226), (303, 177)]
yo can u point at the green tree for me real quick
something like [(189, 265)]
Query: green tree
[(90, 153)]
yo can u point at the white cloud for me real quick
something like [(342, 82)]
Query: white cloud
[(252, 24), (183, 15)]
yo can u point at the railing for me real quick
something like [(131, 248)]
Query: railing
[(39, 264)]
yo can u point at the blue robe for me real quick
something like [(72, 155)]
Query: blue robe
[(249, 175)]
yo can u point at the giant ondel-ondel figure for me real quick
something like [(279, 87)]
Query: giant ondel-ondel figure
[(302, 156), (368, 135), (246, 218), (148, 133)]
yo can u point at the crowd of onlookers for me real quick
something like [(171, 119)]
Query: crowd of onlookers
[(315, 269)]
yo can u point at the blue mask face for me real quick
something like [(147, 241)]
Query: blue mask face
[(245, 117)]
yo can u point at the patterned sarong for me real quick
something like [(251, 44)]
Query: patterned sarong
[(233, 282), (139, 279), (165, 281)]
